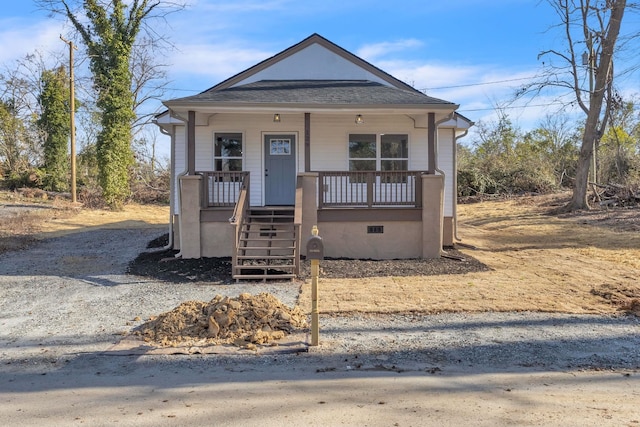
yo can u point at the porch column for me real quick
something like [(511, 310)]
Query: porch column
[(191, 143), (307, 142), (309, 206), (432, 211), (190, 205), (431, 143)]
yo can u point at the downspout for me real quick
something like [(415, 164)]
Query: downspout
[(183, 173), (190, 157), (435, 152), (171, 189), (435, 146), (455, 183), (435, 163)]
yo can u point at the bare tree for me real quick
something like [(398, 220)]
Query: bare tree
[(585, 67), (149, 81)]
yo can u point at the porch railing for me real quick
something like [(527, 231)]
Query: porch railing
[(222, 189), (370, 189), (297, 223), (239, 214)]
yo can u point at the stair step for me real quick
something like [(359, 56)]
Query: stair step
[(260, 217), (264, 267), (276, 237), (266, 248), (283, 257), (267, 230), (265, 233), (267, 238), (264, 277)]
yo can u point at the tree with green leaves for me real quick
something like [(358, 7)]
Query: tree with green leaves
[(12, 133), (109, 30), (109, 37), (619, 157), (54, 122)]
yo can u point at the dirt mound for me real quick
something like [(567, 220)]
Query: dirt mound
[(245, 321), (625, 297)]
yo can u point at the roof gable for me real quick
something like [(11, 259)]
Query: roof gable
[(314, 58), (314, 74)]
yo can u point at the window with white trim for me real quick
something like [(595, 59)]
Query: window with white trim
[(227, 152), (362, 152), (385, 152)]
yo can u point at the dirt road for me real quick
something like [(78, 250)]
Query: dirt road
[(196, 391)]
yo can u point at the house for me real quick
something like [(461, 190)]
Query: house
[(311, 136)]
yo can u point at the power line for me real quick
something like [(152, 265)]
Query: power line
[(478, 84), (514, 107)]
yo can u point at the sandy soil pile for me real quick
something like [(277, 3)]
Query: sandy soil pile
[(245, 321)]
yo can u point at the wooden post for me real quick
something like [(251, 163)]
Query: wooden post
[(191, 143), (307, 142), (315, 272), (315, 317), (431, 143), (72, 124)]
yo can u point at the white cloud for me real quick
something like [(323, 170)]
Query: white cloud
[(18, 39), (371, 52), (478, 89), (215, 61)]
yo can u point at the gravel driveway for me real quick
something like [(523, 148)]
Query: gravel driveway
[(71, 294), (66, 300)]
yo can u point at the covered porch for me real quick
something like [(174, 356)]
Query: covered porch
[(364, 215)]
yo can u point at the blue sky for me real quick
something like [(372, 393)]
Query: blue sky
[(471, 52)]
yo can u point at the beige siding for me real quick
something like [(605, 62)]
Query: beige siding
[(253, 127), (204, 149), (445, 164), (180, 160), (401, 239), (330, 135)]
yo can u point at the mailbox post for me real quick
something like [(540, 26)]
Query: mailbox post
[(315, 252)]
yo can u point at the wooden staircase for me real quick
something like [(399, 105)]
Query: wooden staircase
[(267, 245)]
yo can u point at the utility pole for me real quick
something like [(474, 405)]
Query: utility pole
[(72, 115)]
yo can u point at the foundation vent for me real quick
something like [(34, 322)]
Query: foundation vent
[(375, 229)]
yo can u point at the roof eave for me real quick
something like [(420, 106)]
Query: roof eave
[(239, 107)]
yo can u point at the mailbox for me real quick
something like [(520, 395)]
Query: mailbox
[(315, 248)]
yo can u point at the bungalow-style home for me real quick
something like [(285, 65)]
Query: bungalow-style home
[(311, 136)]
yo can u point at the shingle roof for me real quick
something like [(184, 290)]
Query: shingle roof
[(310, 92)]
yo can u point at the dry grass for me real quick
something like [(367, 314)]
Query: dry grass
[(22, 216), (132, 216), (539, 262), (586, 263), (28, 216)]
